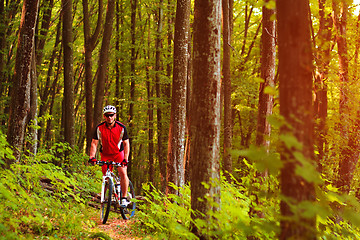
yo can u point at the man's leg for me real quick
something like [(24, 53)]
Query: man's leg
[(124, 180)]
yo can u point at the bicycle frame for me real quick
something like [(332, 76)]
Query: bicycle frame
[(114, 194), (114, 179)]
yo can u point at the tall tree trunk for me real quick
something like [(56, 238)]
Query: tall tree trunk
[(32, 119), (90, 43), (348, 124), (20, 95), (103, 61), (159, 110), (45, 25), (150, 101), (133, 74), (227, 88), (151, 131), (268, 69), (45, 92), (320, 84), (295, 79), (205, 110), (119, 65), (2, 46), (67, 37), (176, 144), (188, 104)]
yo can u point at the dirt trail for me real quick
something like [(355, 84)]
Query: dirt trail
[(117, 228)]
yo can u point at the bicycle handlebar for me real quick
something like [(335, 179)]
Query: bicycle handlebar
[(117, 164)]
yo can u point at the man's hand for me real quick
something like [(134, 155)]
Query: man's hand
[(92, 161), (124, 162)]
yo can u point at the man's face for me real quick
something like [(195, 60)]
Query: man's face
[(110, 117)]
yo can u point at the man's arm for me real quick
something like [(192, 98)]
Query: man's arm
[(126, 149), (93, 147)]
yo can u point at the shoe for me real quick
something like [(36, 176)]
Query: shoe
[(124, 203)]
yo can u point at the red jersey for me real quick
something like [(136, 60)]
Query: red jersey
[(111, 140)]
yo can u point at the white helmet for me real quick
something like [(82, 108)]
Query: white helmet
[(109, 108)]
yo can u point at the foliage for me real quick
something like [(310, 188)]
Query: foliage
[(28, 209), (249, 206), (166, 217), (169, 217)]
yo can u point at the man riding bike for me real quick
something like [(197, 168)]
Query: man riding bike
[(114, 146)]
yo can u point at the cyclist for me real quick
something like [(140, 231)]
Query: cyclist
[(114, 146)]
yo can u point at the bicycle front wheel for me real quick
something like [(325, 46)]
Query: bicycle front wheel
[(129, 211), (105, 206)]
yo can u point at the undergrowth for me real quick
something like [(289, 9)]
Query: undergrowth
[(249, 208), (30, 211)]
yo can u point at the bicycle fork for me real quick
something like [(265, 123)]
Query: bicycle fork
[(103, 186)]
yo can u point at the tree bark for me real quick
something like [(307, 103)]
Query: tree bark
[(176, 143), (205, 110), (103, 61), (45, 90), (228, 123), (20, 96), (32, 122), (45, 25), (133, 74), (90, 43), (67, 39), (349, 125), (268, 69), (320, 84), (159, 111), (295, 79)]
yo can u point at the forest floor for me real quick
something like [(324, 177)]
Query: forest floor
[(117, 228)]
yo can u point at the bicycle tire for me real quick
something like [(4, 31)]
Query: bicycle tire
[(129, 211), (105, 206)]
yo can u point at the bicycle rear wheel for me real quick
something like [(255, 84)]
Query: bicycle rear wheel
[(129, 211), (105, 206)]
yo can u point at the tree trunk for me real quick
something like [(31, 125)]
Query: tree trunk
[(46, 89), (176, 144), (67, 39), (151, 132), (295, 79), (103, 62), (159, 111), (348, 124), (45, 25), (20, 96), (227, 88), (32, 119), (133, 74), (268, 69), (119, 65), (320, 84), (90, 43), (205, 110)]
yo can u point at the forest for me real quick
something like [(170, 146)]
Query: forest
[(242, 115)]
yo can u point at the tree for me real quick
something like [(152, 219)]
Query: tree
[(295, 81), (228, 123), (132, 73), (90, 43), (268, 69), (103, 61), (159, 111), (68, 101), (176, 144), (320, 84), (349, 125), (205, 109), (20, 95)]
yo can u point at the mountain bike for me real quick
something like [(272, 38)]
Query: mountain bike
[(111, 194)]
